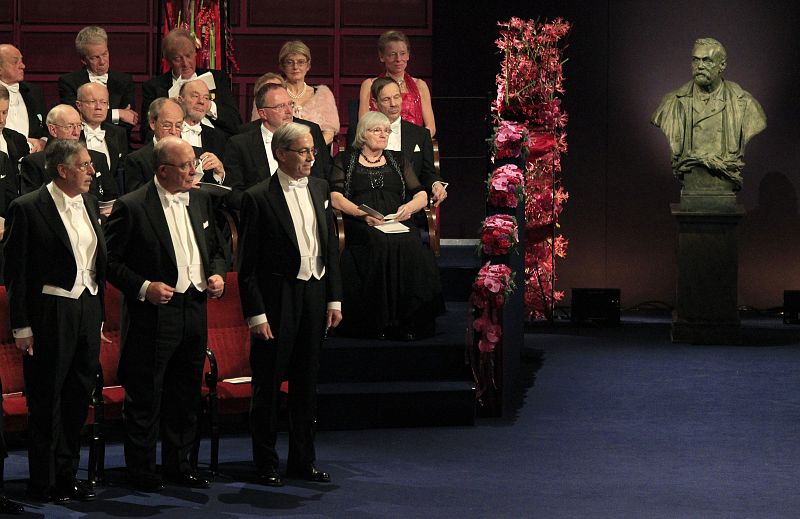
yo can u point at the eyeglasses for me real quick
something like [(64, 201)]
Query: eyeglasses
[(305, 152), (83, 167), (97, 102), (186, 166), (70, 127), (376, 131), (170, 126), (298, 62), (281, 107)]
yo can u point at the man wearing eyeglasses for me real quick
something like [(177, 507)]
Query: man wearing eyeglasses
[(291, 293), (98, 134), (64, 122), (55, 275), (165, 257), (248, 156), (92, 46), (165, 118)]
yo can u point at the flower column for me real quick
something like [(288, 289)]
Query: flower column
[(524, 189)]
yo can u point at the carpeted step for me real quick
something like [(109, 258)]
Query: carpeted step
[(368, 405)]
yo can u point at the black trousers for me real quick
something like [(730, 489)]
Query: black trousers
[(297, 320), (59, 379), (163, 365)]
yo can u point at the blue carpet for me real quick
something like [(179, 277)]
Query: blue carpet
[(618, 424)]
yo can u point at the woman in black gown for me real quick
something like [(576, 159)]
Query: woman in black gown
[(391, 281)]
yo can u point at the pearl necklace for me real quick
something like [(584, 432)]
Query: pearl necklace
[(297, 96)]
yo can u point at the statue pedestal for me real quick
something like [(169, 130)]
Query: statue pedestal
[(706, 309)]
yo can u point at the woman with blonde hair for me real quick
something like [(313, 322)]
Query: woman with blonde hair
[(312, 103)]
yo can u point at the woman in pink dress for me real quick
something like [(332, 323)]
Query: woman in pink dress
[(393, 51), (312, 103)]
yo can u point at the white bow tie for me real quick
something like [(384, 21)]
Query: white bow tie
[(74, 203), (301, 183), (96, 135), (102, 79), (14, 89), (188, 128), (178, 198)]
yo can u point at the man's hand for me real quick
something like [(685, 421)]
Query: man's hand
[(216, 286), (262, 331), (104, 211), (212, 162), (128, 115), (25, 345), (333, 318), (159, 293), (438, 193), (36, 144)]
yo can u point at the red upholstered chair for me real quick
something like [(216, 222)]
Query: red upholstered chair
[(14, 406), (227, 372)]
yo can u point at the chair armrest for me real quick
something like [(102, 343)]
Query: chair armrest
[(339, 226), (231, 218), (211, 376), (432, 216)]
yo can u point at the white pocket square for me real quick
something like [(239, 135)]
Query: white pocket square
[(326, 204), (416, 148), (205, 224)]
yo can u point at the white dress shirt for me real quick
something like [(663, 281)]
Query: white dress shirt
[(304, 221), (96, 141), (266, 136), (395, 140), (83, 241), (184, 242), (17, 111)]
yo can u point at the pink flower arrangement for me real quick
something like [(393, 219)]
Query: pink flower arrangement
[(499, 235), (489, 292), (509, 140), (505, 186)]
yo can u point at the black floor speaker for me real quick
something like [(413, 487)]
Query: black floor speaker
[(597, 305)]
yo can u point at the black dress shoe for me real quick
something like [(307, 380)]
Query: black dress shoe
[(8, 506), (270, 478), (77, 490), (147, 484), (188, 479), (47, 495), (310, 473)]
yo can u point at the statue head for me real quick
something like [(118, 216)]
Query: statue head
[(709, 60)]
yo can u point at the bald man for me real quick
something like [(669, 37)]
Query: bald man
[(96, 132), (26, 113), (165, 257), (64, 122)]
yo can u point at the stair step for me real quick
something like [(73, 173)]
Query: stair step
[(366, 405), (380, 361)]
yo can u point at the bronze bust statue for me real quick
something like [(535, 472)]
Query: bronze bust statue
[(708, 121)]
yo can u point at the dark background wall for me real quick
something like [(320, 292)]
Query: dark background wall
[(623, 55)]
